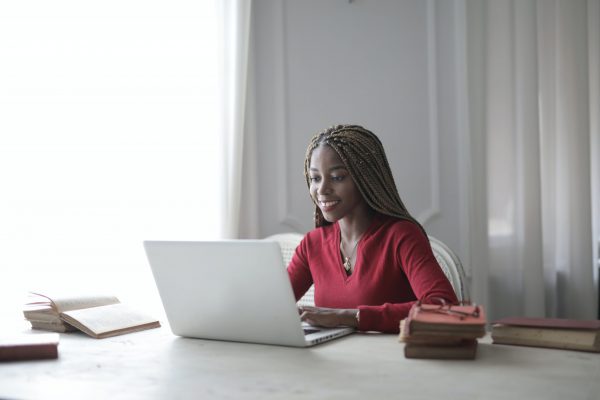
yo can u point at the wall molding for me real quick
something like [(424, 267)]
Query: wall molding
[(433, 210), (283, 194), (463, 130)]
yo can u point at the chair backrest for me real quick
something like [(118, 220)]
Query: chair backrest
[(288, 243), (452, 268), (447, 259)]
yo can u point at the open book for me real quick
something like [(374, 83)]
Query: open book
[(97, 315)]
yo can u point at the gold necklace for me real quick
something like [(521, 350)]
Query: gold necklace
[(347, 263)]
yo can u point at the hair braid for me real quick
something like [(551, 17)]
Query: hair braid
[(363, 155)]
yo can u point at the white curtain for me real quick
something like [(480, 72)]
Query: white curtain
[(236, 33), (539, 70), (108, 137)]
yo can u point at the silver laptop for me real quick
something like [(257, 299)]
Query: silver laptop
[(236, 290)]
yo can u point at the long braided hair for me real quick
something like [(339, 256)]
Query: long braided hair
[(363, 156)]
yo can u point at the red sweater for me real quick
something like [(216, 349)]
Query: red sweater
[(394, 267)]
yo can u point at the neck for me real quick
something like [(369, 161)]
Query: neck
[(351, 229)]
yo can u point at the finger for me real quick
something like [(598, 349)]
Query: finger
[(309, 318), (310, 321)]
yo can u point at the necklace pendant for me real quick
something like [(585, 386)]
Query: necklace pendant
[(347, 264)]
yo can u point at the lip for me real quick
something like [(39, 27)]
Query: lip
[(327, 205)]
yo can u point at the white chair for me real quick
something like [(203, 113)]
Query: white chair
[(452, 268), (448, 260), (288, 243)]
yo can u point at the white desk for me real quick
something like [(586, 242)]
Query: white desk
[(157, 365)]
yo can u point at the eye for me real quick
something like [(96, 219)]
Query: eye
[(315, 178), (338, 178)]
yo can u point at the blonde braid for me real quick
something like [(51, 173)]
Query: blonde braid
[(364, 157)]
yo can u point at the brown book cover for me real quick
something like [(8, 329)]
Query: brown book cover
[(567, 334), (467, 350), (29, 347)]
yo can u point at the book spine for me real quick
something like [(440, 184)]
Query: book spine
[(28, 352), (461, 352)]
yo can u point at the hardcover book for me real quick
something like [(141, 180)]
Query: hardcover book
[(465, 350), (29, 347), (463, 321), (569, 334), (99, 316)]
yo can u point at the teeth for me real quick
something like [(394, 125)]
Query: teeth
[(328, 203)]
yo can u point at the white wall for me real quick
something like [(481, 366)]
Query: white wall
[(390, 66)]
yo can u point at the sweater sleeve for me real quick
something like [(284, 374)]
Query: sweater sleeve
[(426, 278), (299, 271)]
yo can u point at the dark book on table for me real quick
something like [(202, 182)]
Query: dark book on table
[(464, 350), (568, 334), (29, 347)]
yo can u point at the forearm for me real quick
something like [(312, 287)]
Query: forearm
[(348, 317), (384, 318), (330, 317)]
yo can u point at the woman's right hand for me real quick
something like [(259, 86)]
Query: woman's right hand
[(328, 317)]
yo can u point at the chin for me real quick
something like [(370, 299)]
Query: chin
[(330, 217)]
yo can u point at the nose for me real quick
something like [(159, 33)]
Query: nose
[(324, 186)]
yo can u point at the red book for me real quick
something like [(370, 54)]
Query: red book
[(464, 321), (29, 347)]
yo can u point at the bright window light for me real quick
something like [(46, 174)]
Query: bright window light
[(108, 136)]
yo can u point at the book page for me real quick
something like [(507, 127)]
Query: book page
[(582, 339), (109, 320), (46, 314), (59, 326), (68, 302)]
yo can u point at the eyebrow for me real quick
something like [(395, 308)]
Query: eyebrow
[(330, 169)]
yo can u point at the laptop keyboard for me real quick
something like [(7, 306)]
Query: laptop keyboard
[(308, 331)]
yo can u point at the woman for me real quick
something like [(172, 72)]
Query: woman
[(368, 258)]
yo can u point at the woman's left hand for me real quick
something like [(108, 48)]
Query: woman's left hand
[(328, 317)]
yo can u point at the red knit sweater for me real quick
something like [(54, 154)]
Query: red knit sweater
[(394, 267)]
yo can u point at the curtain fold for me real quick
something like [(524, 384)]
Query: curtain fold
[(539, 165), (236, 38)]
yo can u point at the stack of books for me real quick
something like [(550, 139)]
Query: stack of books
[(99, 316), (442, 331), (569, 334)]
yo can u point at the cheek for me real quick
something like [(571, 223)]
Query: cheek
[(354, 194)]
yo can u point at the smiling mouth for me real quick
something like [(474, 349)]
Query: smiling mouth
[(328, 204)]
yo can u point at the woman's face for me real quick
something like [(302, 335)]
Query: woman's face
[(331, 187)]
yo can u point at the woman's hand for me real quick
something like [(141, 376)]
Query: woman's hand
[(328, 317)]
